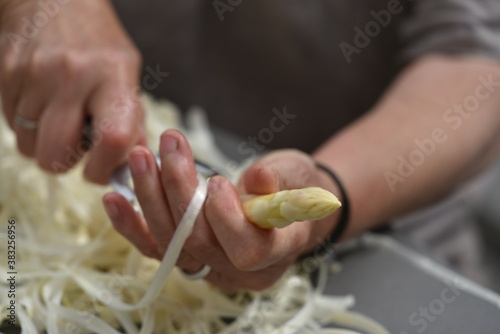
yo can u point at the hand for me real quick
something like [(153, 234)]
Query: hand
[(62, 66), (240, 254)]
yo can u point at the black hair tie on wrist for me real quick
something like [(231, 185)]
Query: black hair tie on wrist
[(339, 229), (341, 226)]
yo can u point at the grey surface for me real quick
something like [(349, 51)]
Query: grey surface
[(464, 229), (389, 288)]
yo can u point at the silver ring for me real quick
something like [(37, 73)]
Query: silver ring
[(25, 123), (200, 274)]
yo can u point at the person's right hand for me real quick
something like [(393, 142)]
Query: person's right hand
[(62, 65)]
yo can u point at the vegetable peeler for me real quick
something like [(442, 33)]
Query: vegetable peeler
[(121, 180)]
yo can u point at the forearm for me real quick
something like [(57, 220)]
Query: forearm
[(416, 145)]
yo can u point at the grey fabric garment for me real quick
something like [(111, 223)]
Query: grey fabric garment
[(242, 60), (452, 27)]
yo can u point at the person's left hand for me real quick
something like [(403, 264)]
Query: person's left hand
[(240, 254)]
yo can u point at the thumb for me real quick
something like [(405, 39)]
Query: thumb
[(259, 179)]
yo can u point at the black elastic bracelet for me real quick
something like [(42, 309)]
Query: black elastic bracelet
[(328, 245), (339, 230)]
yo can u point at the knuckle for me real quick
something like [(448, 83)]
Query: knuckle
[(11, 67), (66, 64), (177, 175), (52, 166), (175, 179), (55, 158), (245, 260), (73, 64), (204, 242), (243, 264), (150, 251), (97, 176), (133, 56), (120, 58), (117, 140), (38, 65), (92, 176), (130, 55)]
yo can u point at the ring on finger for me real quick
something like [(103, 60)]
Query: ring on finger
[(203, 272), (24, 123)]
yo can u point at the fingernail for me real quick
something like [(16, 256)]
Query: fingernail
[(168, 144), (138, 163), (111, 209), (213, 186)]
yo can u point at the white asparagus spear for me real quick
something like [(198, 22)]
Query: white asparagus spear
[(285, 207)]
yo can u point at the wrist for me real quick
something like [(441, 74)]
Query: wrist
[(329, 231)]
